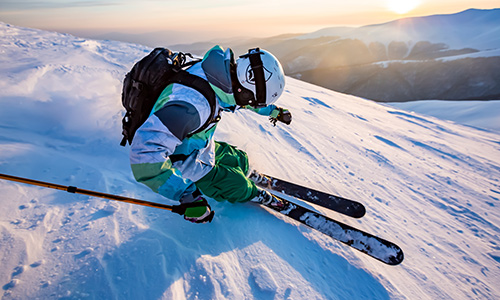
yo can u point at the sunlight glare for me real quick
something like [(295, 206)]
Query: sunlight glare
[(402, 6)]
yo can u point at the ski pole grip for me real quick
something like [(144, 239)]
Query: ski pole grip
[(179, 209)]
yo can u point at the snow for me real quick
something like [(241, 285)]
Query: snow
[(481, 114), (429, 185)]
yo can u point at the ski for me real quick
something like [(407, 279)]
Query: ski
[(341, 205), (376, 247)]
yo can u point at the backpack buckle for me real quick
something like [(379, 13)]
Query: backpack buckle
[(137, 85)]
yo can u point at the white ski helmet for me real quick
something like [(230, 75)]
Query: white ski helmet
[(260, 79)]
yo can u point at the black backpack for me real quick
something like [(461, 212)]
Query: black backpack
[(148, 78)]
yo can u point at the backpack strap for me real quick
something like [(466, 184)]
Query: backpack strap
[(204, 88)]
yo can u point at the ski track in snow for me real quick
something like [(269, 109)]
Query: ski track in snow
[(430, 186)]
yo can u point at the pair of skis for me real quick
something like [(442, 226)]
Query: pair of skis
[(367, 243)]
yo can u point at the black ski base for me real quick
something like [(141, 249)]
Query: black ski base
[(376, 247), (338, 204)]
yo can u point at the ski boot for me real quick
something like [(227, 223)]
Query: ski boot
[(268, 199), (258, 178)]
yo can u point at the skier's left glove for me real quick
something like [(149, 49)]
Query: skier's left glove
[(281, 114), (198, 211)]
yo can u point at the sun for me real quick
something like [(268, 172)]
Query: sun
[(402, 6)]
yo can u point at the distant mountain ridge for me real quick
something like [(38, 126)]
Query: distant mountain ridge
[(448, 57), (472, 28)]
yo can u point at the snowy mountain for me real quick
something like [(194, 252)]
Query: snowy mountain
[(452, 57), (473, 28), (429, 185)]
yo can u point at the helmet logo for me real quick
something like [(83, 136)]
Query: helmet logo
[(250, 78)]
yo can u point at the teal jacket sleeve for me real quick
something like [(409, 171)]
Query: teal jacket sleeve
[(149, 159), (270, 110)]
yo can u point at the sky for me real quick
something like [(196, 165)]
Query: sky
[(201, 19)]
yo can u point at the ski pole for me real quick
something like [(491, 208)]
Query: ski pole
[(73, 189)]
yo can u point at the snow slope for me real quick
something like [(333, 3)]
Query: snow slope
[(431, 186)]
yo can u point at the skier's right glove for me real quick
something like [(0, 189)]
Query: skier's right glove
[(198, 211), (281, 114)]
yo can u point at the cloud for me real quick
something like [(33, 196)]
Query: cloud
[(20, 5)]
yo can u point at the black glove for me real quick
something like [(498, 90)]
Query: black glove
[(199, 211), (284, 116), (196, 210)]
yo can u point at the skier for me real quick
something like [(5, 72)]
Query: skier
[(187, 167)]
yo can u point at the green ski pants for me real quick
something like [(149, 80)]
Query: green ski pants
[(227, 181)]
